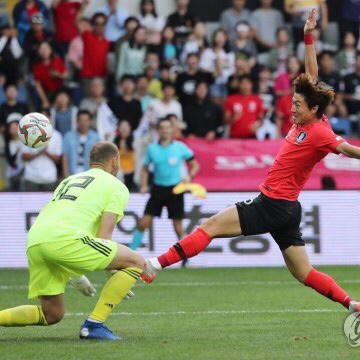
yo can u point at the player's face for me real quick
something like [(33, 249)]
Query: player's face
[(300, 110)]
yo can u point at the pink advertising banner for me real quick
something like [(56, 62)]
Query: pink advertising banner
[(229, 164)]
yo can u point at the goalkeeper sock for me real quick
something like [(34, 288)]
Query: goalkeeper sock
[(326, 285), (22, 316), (137, 239), (187, 247), (113, 292)]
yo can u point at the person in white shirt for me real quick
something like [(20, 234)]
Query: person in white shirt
[(40, 172), (219, 61), (159, 109), (150, 20)]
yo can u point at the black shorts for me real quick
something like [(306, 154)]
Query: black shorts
[(163, 196), (280, 218)]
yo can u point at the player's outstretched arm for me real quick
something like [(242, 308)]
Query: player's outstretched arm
[(311, 66), (349, 150)]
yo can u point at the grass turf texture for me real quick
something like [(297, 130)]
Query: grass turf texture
[(241, 313)]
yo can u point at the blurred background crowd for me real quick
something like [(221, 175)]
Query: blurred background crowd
[(111, 73)]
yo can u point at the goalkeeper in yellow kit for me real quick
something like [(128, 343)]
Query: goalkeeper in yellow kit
[(72, 236)]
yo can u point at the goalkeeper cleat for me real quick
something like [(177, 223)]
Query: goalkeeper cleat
[(149, 272), (96, 331), (354, 306)]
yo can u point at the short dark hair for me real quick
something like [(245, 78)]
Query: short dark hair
[(141, 76), (201, 82), (282, 28), (62, 90), (10, 84), (166, 84), (245, 77), (164, 119), (326, 53), (126, 77), (164, 67), (83, 112), (102, 152), (96, 16), (314, 93), (131, 18), (189, 55)]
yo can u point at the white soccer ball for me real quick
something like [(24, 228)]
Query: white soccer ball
[(35, 130)]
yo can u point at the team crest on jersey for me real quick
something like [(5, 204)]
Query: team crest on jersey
[(300, 137)]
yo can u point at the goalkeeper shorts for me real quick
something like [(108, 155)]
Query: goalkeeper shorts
[(52, 263)]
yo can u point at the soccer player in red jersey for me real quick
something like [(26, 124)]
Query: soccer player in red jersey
[(276, 210)]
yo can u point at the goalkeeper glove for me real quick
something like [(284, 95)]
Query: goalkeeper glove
[(83, 284)]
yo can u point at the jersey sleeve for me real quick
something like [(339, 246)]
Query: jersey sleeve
[(119, 198), (147, 158), (326, 140), (188, 154)]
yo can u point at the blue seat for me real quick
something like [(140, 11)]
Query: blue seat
[(341, 126)]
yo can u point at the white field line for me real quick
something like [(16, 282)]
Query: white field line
[(200, 283), (215, 312)]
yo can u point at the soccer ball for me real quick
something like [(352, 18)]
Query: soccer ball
[(34, 130)]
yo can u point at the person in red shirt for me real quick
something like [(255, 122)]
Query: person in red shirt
[(276, 210), (96, 49), (244, 111), (49, 73), (65, 12), (283, 112), (35, 36)]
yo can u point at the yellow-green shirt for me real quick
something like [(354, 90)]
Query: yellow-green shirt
[(77, 206)]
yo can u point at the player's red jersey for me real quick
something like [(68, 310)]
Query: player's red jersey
[(302, 148)]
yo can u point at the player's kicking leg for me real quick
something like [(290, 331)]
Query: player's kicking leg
[(224, 224), (129, 265), (180, 233), (297, 261)]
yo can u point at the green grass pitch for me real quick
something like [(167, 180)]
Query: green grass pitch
[(227, 313)]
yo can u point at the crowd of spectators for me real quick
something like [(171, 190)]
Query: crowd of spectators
[(113, 75)]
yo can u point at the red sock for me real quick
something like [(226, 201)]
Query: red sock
[(326, 285), (187, 247)]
